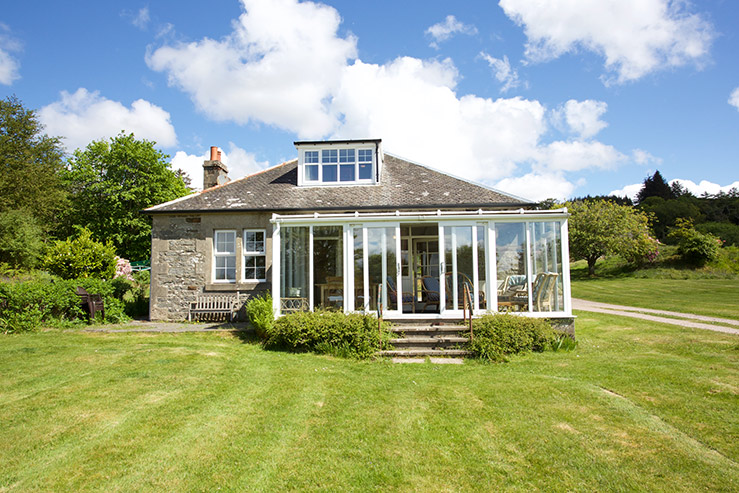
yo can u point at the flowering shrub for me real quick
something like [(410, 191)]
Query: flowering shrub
[(123, 268)]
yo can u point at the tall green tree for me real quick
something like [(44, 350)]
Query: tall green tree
[(111, 182), (655, 186), (31, 163), (600, 228)]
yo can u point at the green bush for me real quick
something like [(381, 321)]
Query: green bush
[(26, 305), (496, 336), (328, 332), (729, 232), (81, 257), (260, 313), (693, 246), (21, 239)]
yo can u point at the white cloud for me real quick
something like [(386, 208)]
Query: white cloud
[(538, 186), (643, 157), (696, 189), (9, 65), (304, 79), (734, 98), (239, 162), (502, 71), (636, 37), (142, 18), (629, 191), (579, 155), (705, 186), (442, 31), (412, 106), (85, 116), (582, 117), (280, 64)]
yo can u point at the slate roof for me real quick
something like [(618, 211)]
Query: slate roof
[(403, 185)]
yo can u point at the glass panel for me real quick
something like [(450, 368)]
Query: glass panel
[(225, 241), (328, 275), (347, 172), (329, 172), (510, 251), (462, 239), (358, 270), (365, 155), (365, 171), (254, 267), (449, 267), (311, 156), (382, 266), (311, 172), (329, 156), (254, 241), (294, 265), (546, 260), (226, 268), (481, 281), (346, 155)]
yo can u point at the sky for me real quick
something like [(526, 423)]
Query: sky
[(540, 99)]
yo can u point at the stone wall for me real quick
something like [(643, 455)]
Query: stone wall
[(182, 265)]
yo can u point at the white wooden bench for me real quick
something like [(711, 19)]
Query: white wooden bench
[(211, 304)]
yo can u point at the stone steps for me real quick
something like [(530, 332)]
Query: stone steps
[(425, 340)]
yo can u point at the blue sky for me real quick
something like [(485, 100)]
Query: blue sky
[(557, 100)]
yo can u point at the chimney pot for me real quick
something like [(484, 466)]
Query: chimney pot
[(219, 155), (214, 153)]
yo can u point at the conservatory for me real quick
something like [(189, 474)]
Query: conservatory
[(422, 265)]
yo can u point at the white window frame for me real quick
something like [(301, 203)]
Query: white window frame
[(254, 253), (302, 178), (218, 254)]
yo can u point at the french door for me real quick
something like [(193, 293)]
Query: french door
[(462, 263), (376, 279)]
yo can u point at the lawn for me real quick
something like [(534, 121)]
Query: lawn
[(635, 407), (712, 297)]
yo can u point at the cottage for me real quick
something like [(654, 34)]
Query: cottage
[(347, 226)]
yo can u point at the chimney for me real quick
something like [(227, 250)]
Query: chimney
[(214, 171)]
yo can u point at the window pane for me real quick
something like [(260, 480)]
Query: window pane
[(346, 155), (365, 155), (225, 241), (358, 269), (329, 156), (347, 172), (328, 266), (311, 173), (226, 268), (329, 172), (365, 171), (311, 156), (546, 261), (294, 263), (254, 241), (510, 251)]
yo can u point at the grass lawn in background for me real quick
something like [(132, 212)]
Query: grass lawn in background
[(637, 406), (711, 297)]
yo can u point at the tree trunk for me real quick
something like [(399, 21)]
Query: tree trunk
[(591, 266)]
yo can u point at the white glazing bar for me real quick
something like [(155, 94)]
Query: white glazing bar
[(311, 287), (276, 269), (566, 267), (475, 271), (365, 268), (530, 288)]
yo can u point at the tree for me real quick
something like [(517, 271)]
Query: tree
[(655, 186), (21, 239), (110, 184), (81, 257), (599, 228), (30, 165)]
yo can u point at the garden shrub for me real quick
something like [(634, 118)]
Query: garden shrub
[(693, 246), (328, 332), (728, 232), (25, 306), (260, 314), (496, 336), (81, 257)]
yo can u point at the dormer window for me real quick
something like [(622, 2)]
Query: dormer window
[(350, 162)]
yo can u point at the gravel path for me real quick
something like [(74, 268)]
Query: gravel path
[(681, 319)]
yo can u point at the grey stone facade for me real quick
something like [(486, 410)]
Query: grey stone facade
[(182, 265)]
